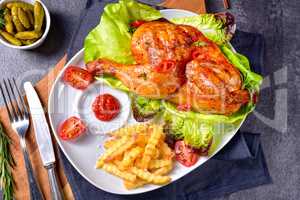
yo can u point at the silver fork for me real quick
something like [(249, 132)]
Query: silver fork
[(19, 119)]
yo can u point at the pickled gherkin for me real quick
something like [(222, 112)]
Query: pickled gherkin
[(10, 38), (39, 15), (28, 42), (15, 18), (30, 17), (18, 4), (28, 35), (23, 18), (9, 27)]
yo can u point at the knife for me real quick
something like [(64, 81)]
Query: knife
[(43, 138)]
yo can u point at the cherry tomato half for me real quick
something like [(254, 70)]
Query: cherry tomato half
[(106, 107), (71, 128), (137, 23), (165, 66), (185, 154), (77, 77)]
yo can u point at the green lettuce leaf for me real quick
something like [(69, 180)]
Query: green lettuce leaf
[(147, 106), (193, 131), (209, 118), (211, 26), (112, 82), (144, 109), (111, 38), (251, 80), (198, 129)]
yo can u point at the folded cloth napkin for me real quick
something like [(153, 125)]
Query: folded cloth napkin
[(225, 173)]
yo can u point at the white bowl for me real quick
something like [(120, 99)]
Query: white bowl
[(39, 41)]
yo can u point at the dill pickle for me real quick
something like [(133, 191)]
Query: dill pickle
[(28, 42), (17, 23), (28, 35), (9, 27), (30, 17), (39, 15), (24, 5), (23, 18), (11, 39)]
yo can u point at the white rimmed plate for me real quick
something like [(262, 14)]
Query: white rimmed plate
[(64, 101)]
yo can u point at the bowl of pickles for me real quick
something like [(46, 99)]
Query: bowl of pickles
[(23, 24)]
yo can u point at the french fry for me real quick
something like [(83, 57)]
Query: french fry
[(113, 169), (121, 149), (151, 146), (130, 130), (155, 164), (138, 162), (139, 182), (166, 151), (110, 151), (130, 157), (149, 177), (141, 139), (164, 170), (109, 143), (156, 154), (138, 155), (133, 185)]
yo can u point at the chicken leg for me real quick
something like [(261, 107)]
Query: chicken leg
[(178, 63)]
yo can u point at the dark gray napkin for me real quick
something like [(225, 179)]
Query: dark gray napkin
[(227, 172)]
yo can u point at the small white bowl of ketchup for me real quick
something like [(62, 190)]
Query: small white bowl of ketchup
[(104, 109)]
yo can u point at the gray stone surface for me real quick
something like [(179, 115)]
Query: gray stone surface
[(278, 113)]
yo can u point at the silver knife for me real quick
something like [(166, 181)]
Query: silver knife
[(43, 138)]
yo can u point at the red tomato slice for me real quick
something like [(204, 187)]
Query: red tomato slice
[(137, 23), (106, 107), (77, 77), (185, 154), (71, 128), (165, 67)]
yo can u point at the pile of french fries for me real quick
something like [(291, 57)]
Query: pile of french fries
[(139, 155)]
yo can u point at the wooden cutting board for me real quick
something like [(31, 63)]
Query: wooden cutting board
[(43, 88), (197, 6)]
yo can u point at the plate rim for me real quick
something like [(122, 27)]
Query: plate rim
[(54, 131)]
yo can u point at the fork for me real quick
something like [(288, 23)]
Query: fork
[(19, 119)]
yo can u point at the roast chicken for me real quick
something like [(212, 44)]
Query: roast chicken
[(179, 64)]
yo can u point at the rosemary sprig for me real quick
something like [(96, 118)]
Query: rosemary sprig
[(6, 164)]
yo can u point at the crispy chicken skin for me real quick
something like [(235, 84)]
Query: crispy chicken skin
[(200, 76), (155, 42)]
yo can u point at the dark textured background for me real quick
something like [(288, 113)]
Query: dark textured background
[(278, 113)]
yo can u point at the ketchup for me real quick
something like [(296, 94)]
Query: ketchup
[(106, 107)]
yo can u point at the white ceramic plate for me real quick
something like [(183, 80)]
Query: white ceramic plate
[(64, 101)]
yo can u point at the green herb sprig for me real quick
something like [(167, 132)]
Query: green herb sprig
[(6, 164)]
